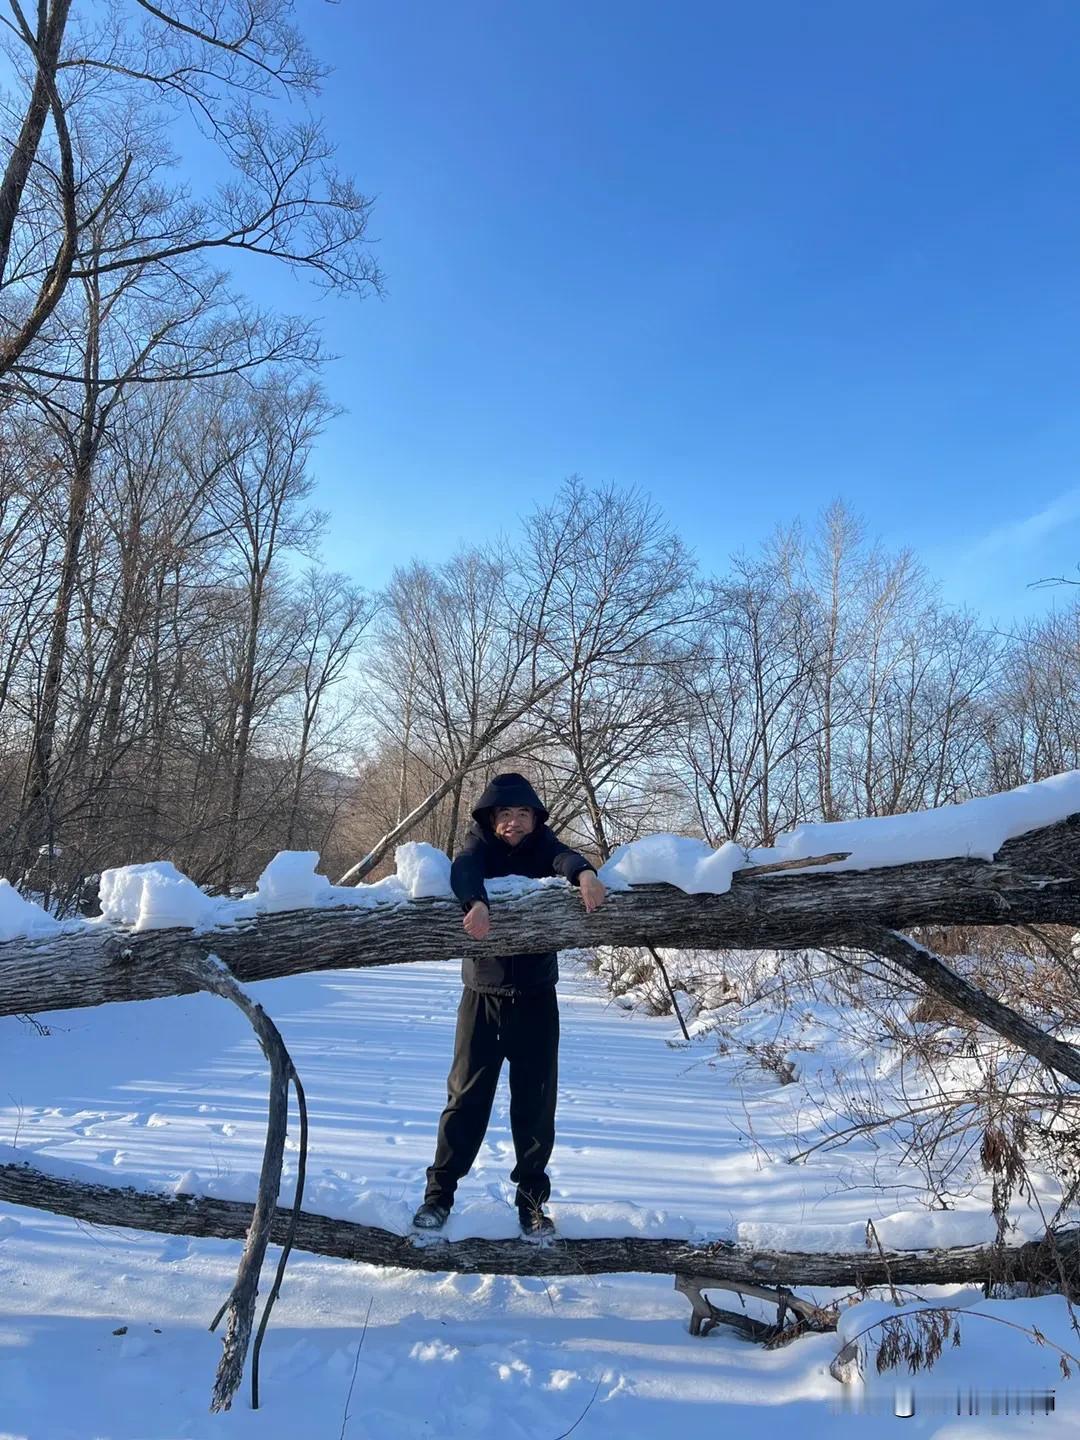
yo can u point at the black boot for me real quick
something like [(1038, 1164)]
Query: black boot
[(534, 1223), (432, 1215)]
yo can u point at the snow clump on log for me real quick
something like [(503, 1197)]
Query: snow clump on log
[(19, 917), (154, 896)]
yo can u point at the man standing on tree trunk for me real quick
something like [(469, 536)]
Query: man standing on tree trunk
[(508, 1010)]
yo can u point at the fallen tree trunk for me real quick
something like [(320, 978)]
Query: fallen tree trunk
[(720, 1261), (1034, 879)]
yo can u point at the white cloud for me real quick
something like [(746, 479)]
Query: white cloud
[(1029, 532), (997, 573)]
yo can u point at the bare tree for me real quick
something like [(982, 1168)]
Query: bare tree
[(452, 670), (748, 730), (265, 432), (622, 620), (221, 62), (1031, 716), (332, 615), (598, 584), (831, 573)]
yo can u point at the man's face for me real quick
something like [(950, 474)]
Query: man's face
[(513, 822)]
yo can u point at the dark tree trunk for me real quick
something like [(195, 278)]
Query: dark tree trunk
[(718, 1260)]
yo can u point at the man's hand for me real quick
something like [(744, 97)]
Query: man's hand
[(592, 890), (477, 921)]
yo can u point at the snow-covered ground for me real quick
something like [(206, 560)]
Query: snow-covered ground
[(653, 1138)]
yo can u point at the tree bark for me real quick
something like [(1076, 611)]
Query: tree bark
[(38, 799), (719, 1260), (1034, 878)]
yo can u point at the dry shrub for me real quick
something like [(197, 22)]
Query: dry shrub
[(916, 1340), (931, 1009)]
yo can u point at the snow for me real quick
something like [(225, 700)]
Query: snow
[(976, 829), (289, 882), (903, 1230), (154, 896), (423, 871), (674, 860), (19, 917), (170, 1095)]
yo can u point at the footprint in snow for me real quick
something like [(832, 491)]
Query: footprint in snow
[(476, 1287), (561, 1379), (175, 1248), (85, 1122), (515, 1369), (112, 1157), (535, 1285)]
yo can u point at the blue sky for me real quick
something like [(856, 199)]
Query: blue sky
[(746, 257)]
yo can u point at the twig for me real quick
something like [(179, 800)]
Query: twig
[(1032, 1331), (671, 993), (776, 866), (35, 1023), (871, 1229), (577, 1422), (356, 1366), (875, 1123)]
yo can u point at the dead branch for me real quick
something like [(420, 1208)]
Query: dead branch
[(212, 975), (933, 972)]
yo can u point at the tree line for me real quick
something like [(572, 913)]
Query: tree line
[(821, 678)]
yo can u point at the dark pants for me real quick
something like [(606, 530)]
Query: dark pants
[(523, 1029)]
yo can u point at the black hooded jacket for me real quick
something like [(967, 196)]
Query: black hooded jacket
[(484, 856)]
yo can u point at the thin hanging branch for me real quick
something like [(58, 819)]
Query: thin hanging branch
[(211, 974), (670, 990), (286, 1249)]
